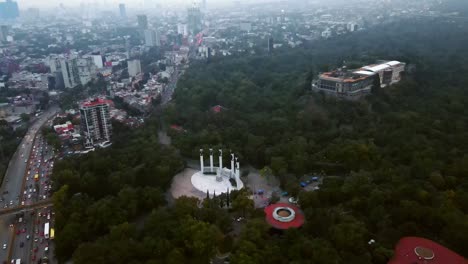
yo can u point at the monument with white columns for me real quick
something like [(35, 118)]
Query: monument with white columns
[(217, 180)]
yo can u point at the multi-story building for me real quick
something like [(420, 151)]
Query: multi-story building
[(194, 20), (3, 32), (9, 10), (123, 11), (152, 38), (182, 29), (353, 84), (142, 22), (86, 69), (134, 67), (95, 121), (70, 73)]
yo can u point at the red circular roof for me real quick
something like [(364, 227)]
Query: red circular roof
[(298, 220), (417, 250)]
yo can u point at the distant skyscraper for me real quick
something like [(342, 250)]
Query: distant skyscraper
[(70, 73), (182, 29), (194, 20), (142, 21), (95, 121), (134, 67), (123, 11), (270, 44), (152, 38), (9, 10), (3, 32)]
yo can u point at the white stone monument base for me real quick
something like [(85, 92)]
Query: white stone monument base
[(209, 183)]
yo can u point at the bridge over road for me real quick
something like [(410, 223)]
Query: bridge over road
[(24, 208)]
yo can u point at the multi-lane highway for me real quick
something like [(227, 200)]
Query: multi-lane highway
[(12, 194)]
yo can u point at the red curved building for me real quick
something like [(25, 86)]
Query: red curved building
[(283, 216), (417, 250)]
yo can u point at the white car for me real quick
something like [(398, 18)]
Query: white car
[(25, 161), (4, 246)]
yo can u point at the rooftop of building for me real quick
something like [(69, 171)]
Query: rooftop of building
[(96, 102), (417, 250), (284, 216)]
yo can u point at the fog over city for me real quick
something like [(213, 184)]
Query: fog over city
[(233, 131)]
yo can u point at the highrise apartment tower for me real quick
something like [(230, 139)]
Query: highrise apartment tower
[(123, 11), (194, 20), (142, 21), (95, 120)]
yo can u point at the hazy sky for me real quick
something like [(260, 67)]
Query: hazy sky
[(109, 3)]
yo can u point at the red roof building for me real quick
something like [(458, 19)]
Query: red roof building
[(416, 250), (217, 108), (284, 216), (64, 128)]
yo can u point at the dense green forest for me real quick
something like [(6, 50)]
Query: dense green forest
[(402, 151), (398, 159)]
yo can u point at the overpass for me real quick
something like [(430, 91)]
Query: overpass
[(23, 208)]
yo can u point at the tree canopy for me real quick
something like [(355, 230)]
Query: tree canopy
[(395, 162)]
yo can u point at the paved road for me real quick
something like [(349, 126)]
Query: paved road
[(167, 94), (36, 190), (25, 208), (11, 188)]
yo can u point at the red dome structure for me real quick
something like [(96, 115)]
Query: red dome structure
[(417, 250), (283, 216)]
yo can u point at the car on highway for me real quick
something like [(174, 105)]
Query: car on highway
[(25, 161), (21, 244), (4, 246)]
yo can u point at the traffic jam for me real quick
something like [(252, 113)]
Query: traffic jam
[(38, 185), (34, 228)]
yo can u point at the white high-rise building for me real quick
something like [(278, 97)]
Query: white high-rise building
[(134, 68), (86, 69), (182, 29), (95, 120), (70, 73), (152, 38), (97, 60)]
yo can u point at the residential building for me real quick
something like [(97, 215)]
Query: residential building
[(270, 45), (152, 38), (194, 20), (142, 22), (134, 68), (353, 84), (86, 69), (123, 11), (182, 29), (9, 10), (95, 121), (97, 60), (70, 72), (3, 32)]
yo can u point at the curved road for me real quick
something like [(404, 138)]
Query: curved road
[(12, 185)]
